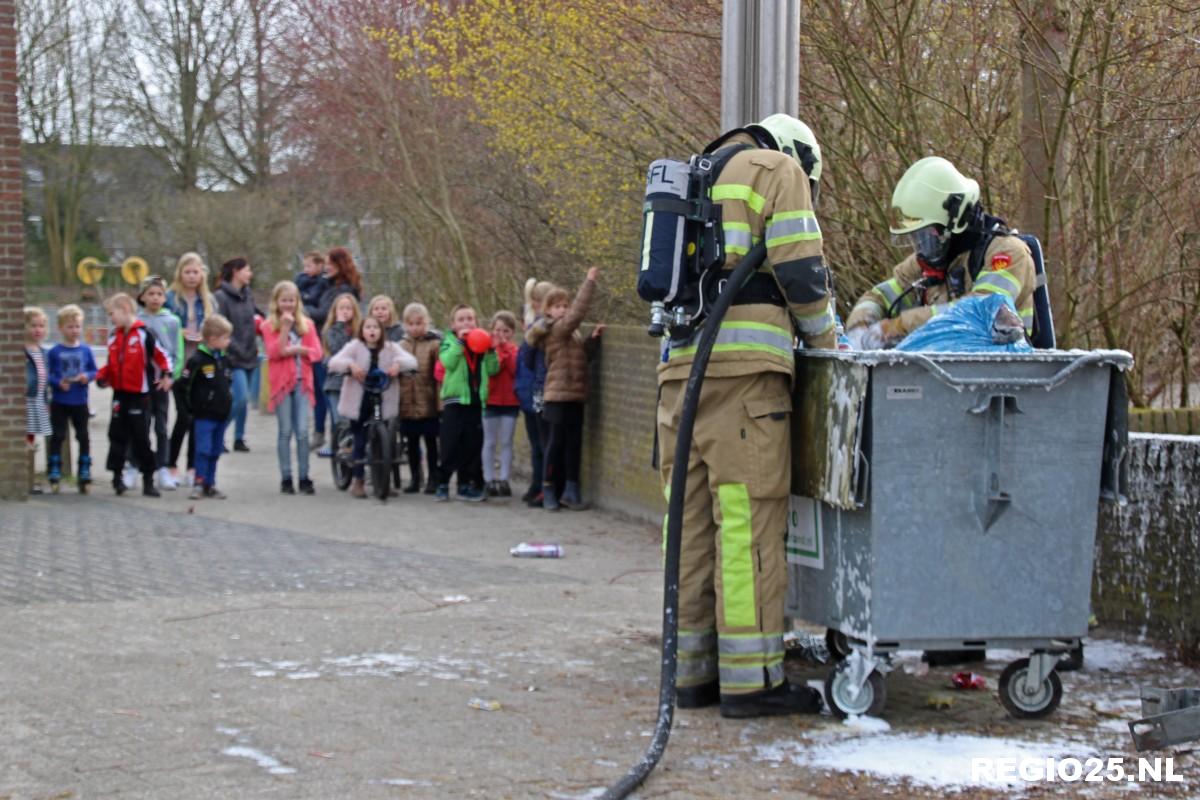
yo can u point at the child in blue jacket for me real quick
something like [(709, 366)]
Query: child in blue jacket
[(71, 368)]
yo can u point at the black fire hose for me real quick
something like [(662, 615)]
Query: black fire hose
[(683, 446)]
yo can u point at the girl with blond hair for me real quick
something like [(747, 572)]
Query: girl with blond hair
[(340, 327), (292, 346), (189, 299)]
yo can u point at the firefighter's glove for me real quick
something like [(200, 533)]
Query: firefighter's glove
[(878, 336)]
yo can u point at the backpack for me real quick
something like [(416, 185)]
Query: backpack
[(682, 239)]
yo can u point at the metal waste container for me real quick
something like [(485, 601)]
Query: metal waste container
[(949, 501)]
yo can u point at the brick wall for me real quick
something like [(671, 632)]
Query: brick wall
[(13, 476), (618, 434)]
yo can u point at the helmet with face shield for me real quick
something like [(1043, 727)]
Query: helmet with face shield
[(932, 202)]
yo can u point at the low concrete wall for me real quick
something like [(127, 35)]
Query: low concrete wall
[(1147, 575)]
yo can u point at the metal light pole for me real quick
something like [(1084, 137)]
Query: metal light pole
[(760, 60)]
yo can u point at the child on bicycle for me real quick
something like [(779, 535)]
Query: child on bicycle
[(368, 361)]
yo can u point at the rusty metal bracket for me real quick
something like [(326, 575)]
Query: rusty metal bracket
[(1169, 717)]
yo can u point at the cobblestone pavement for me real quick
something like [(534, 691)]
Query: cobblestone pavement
[(324, 647), (123, 553)]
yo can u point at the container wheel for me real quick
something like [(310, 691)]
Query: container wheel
[(843, 701), (1072, 661), (1024, 701), (836, 644)]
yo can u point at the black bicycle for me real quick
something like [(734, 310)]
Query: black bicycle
[(380, 434)]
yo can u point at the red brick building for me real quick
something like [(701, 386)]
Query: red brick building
[(13, 478)]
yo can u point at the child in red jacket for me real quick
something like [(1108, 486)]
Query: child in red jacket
[(136, 363), (503, 407)]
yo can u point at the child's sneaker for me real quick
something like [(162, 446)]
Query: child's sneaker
[(493, 489), (118, 484), (505, 489), (306, 486), (213, 493), (165, 481), (472, 495), (443, 493), (286, 487), (130, 476), (197, 492)]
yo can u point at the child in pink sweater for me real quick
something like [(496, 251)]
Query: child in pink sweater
[(292, 346)]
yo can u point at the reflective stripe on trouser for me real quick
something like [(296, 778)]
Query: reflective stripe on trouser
[(697, 658), (733, 573)]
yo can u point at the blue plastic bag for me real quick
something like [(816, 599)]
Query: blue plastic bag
[(970, 326)]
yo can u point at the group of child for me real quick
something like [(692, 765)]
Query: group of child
[(140, 371), (457, 397)]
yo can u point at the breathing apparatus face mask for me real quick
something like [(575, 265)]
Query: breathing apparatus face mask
[(932, 246)]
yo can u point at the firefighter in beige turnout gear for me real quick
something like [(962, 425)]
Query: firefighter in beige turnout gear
[(957, 251), (733, 572)]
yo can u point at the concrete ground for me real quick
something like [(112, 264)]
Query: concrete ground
[(326, 647)]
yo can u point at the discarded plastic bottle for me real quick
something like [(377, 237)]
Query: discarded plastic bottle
[(537, 550), (483, 705), (843, 341)]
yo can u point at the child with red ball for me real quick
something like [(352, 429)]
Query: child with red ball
[(468, 360)]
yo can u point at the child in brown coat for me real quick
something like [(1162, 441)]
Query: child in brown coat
[(419, 398), (566, 391)]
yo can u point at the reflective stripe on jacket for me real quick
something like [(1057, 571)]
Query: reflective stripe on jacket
[(764, 195), (1007, 269)]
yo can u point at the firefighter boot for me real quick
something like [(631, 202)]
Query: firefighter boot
[(783, 699), (85, 473), (54, 470), (705, 694)]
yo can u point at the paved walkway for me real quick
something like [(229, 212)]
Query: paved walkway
[(326, 647)]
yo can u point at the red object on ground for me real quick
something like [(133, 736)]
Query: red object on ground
[(968, 680), (479, 341)]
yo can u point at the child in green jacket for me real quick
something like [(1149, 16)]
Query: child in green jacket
[(468, 360)]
